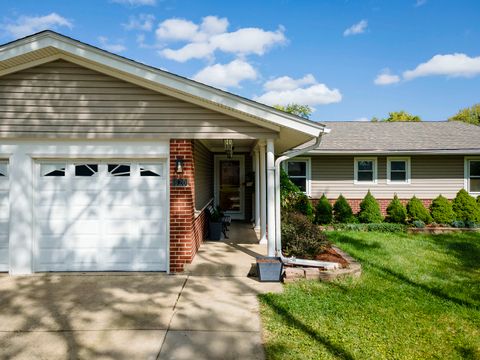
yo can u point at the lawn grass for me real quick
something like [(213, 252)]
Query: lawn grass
[(418, 298)]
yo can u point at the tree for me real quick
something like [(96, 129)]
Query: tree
[(469, 115), (304, 111), (399, 116), (370, 210)]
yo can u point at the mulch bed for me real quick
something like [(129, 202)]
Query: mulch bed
[(331, 255)]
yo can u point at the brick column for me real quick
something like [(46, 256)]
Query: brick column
[(182, 206)]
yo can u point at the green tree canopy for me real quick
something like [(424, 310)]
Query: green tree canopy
[(399, 116), (470, 115), (304, 111)]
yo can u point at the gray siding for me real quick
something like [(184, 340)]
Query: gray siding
[(203, 160), (430, 176), (63, 100)]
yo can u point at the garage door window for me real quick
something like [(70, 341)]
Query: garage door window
[(119, 169), (151, 169), (52, 169), (3, 169), (86, 170)]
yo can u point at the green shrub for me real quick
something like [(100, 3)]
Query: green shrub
[(342, 212), (301, 238), (396, 212), (377, 227), (289, 192), (323, 212), (369, 210), (478, 200), (441, 210), (418, 224), (458, 224), (304, 206), (417, 211), (465, 207)]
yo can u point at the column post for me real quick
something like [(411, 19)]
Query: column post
[(263, 195), (271, 197), (257, 188)]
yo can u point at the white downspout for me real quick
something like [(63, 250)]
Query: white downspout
[(278, 230)]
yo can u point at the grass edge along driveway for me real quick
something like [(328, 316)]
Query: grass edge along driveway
[(418, 297)]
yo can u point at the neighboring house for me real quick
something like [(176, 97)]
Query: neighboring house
[(108, 164), (424, 159)]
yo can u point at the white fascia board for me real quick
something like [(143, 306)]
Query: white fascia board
[(396, 153), (165, 79)]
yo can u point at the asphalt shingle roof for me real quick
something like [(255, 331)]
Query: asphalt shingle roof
[(440, 136)]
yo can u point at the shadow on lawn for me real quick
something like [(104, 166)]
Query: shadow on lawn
[(467, 252), (293, 321)]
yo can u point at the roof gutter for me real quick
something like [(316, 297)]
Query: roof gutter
[(278, 231)]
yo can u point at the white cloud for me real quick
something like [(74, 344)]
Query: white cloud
[(226, 75), (211, 35), (136, 2), (176, 29), (247, 41), (362, 119), (143, 22), (454, 65), (386, 78), (115, 48), (188, 52), (306, 91), (287, 83), (420, 3), (355, 29), (27, 25)]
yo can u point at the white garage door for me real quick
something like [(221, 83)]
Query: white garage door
[(101, 216), (4, 216)]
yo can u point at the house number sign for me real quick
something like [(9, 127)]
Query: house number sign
[(179, 182)]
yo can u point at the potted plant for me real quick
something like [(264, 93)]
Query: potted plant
[(269, 268), (215, 224)]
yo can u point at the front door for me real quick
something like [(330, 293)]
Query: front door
[(230, 185)]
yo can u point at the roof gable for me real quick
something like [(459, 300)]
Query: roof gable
[(47, 46)]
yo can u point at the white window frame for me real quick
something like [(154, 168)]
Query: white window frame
[(355, 170), (308, 176), (466, 179), (407, 160)]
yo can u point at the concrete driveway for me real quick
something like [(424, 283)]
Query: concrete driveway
[(199, 315)]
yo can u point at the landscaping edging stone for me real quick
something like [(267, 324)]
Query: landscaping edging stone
[(354, 269)]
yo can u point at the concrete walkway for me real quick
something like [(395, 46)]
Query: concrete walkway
[(217, 314), (210, 312)]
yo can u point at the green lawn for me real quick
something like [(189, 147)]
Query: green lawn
[(418, 298)]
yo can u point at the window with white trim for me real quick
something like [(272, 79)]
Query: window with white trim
[(398, 170), (473, 175), (365, 170), (53, 169), (298, 170)]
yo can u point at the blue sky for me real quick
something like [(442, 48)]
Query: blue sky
[(349, 60)]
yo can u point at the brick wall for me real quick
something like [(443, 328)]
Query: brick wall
[(355, 203), (181, 206)]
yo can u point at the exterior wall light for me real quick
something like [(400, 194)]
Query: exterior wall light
[(179, 163)]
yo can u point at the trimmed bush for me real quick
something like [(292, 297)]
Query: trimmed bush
[(323, 212), (417, 211), (458, 224), (342, 211), (465, 207), (396, 212), (419, 224), (378, 227), (301, 238), (441, 210), (370, 210), (304, 206)]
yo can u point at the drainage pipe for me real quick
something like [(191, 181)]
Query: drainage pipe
[(278, 231)]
